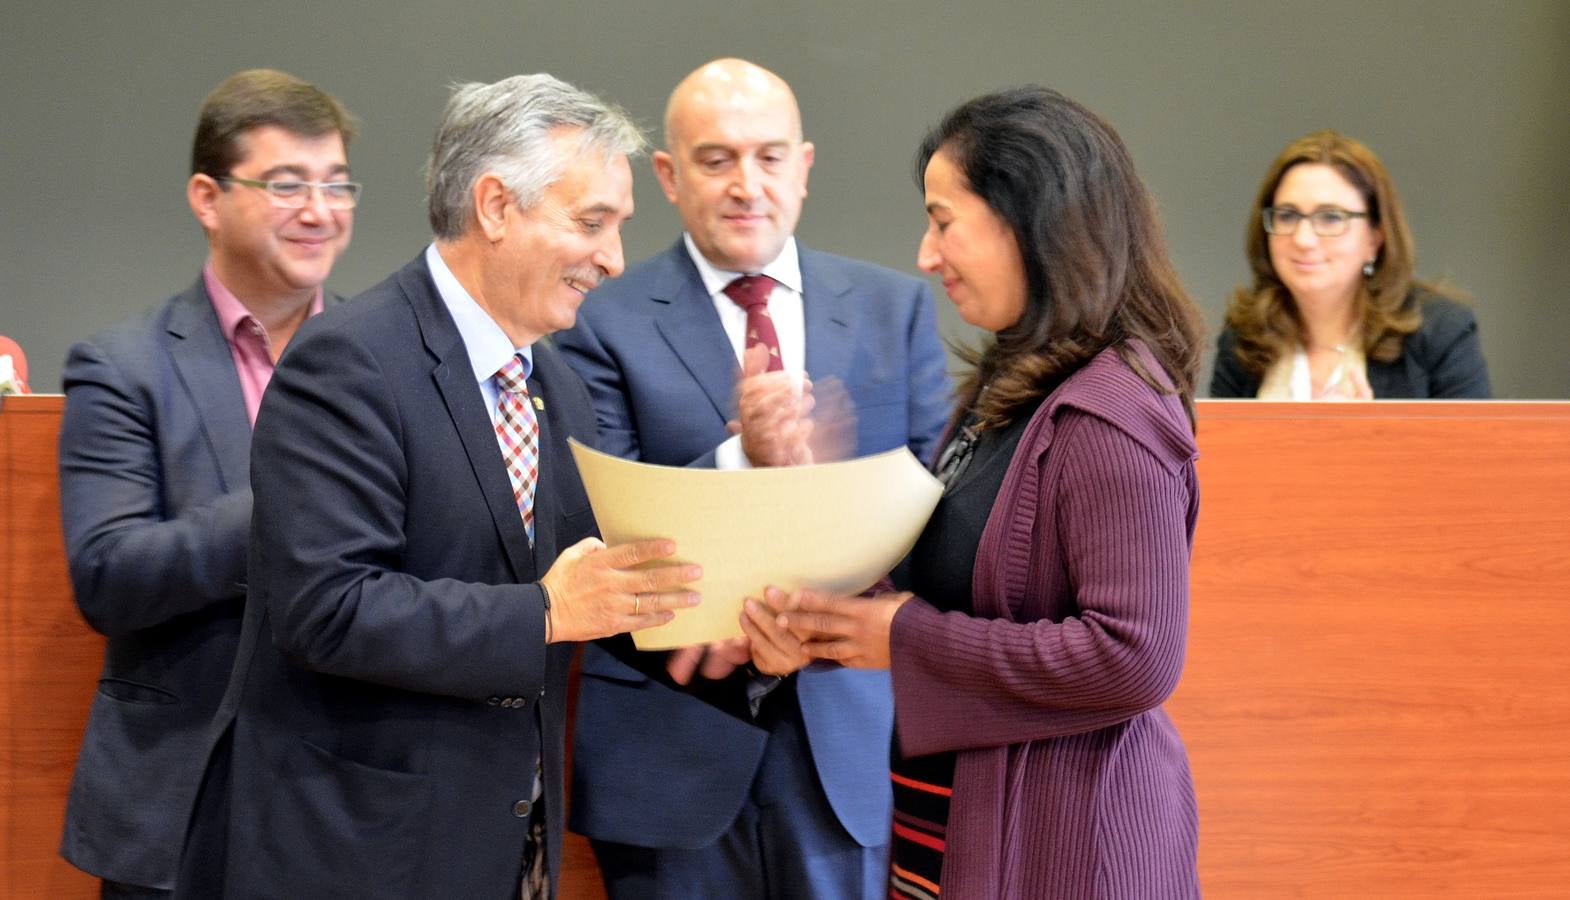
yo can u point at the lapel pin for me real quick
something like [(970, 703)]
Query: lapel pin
[(538, 403)]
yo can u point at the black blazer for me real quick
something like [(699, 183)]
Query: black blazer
[(1443, 359), (394, 685), (155, 498)]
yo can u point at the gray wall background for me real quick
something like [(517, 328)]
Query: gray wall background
[(1464, 100)]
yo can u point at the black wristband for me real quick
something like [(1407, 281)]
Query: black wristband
[(545, 596)]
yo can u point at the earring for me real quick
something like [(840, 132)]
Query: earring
[(1368, 269)]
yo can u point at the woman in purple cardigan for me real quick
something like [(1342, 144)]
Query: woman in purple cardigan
[(1047, 608)]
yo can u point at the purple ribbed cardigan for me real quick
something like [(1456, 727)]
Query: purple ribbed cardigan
[(1070, 779)]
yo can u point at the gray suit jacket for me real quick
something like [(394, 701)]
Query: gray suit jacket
[(156, 501)]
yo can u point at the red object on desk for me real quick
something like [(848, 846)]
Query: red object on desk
[(12, 349)]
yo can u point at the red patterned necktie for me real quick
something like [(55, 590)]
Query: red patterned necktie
[(518, 433), (751, 293)]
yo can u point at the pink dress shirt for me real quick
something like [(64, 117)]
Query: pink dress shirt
[(248, 341)]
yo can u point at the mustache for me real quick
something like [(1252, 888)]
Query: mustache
[(589, 276)]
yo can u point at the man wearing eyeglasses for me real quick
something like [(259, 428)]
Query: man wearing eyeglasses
[(154, 464)]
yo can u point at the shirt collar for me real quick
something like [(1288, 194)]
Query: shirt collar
[(487, 345), (785, 268), (231, 312)]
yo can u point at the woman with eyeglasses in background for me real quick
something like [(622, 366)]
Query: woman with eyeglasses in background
[(1334, 312)]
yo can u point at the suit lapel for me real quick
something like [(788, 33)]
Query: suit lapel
[(555, 457), (692, 328), (205, 366), (454, 379), (825, 298)]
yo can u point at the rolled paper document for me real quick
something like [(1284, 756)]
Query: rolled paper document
[(834, 527)]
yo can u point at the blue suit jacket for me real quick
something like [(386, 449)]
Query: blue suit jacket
[(655, 766), (393, 684), (156, 501)]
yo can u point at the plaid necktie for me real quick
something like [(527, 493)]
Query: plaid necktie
[(518, 433), (751, 292), (535, 883)]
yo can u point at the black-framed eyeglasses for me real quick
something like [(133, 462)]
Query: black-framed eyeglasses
[(1328, 221), (955, 458), (297, 194)]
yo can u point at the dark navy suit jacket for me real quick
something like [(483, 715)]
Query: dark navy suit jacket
[(656, 766), (394, 685), (156, 501)]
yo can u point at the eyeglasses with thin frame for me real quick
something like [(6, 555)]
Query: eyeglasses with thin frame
[(1328, 221), (297, 194), (955, 458)]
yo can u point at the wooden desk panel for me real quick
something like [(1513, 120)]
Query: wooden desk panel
[(1376, 702), (49, 658), (1377, 696)]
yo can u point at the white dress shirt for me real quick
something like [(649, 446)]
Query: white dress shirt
[(785, 309), (487, 344)]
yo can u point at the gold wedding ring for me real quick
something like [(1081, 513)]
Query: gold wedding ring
[(637, 603)]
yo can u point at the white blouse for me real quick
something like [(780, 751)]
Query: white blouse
[(1289, 377)]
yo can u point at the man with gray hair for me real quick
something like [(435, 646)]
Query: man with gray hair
[(422, 554)]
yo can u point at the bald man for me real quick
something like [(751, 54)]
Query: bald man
[(722, 782)]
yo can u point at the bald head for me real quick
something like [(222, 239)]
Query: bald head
[(728, 87), (734, 162)]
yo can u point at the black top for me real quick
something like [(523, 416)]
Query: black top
[(940, 569), (1443, 359)]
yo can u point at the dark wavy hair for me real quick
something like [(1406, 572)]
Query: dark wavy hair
[(1096, 266), (1264, 316)]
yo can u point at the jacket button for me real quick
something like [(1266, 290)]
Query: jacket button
[(542, 692), (521, 809)]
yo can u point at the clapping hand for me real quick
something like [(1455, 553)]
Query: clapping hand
[(771, 413)]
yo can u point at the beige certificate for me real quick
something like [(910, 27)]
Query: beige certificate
[(835, 527)]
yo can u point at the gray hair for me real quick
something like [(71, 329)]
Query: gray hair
[(506, 128)]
